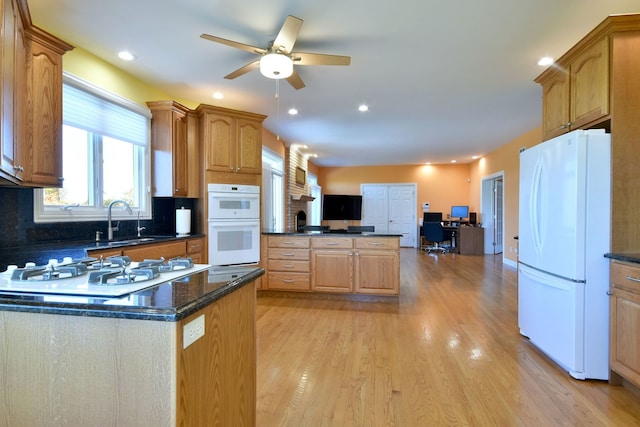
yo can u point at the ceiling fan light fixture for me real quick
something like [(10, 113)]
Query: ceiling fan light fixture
[(276, 66)]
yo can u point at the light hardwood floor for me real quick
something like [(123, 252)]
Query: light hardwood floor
[(447, 352)]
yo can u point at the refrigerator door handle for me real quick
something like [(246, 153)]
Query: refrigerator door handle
[(535, 206)]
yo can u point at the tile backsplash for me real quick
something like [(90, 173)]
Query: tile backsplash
[(18, 229)]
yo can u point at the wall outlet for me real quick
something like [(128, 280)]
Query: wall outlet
[(193, 331)]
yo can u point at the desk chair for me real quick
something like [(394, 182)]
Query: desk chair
[(360, 228), (434, 233)]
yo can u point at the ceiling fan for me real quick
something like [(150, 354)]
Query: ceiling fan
[(277, 60)]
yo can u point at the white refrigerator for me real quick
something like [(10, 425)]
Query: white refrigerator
[(564, 232)]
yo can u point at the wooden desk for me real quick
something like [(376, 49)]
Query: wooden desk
[(470, 240), (465, 240)]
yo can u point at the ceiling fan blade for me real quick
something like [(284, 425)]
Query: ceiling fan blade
[(288, 34), (304, 58), (243, 70), (248, 48), (295, 80)]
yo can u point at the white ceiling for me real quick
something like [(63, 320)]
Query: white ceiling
[(444, 80)]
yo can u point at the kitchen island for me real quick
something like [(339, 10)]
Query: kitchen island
[(182, 352), (342, 263)]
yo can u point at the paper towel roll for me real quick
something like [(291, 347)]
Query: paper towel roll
[(183, 221)]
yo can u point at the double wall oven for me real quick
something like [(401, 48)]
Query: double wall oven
[(234, 224)]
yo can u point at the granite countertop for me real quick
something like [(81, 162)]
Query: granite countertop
[(43, 252), (169, 301), (633, 257)]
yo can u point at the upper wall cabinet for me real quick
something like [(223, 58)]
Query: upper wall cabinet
[(575, 91), (31, 100), (596, 84), (232, 140), (170, 135)]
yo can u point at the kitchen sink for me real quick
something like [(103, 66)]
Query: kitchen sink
[(132, 241)]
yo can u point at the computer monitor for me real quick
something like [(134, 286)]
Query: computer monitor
[(432, 217), (459, 212)]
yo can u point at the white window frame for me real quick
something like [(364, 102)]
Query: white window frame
[(44, 214), (273, 217)]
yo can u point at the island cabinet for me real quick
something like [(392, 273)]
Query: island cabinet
[(170, 148), (575, 91), (82, 370), (625, 323), (332, 264), (288, 263), (232, 140)]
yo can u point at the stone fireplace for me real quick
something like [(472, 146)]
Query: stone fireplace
[(296, 187)]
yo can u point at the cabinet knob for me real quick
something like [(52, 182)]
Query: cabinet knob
[(237, 169), (609, 293), (18, 168)]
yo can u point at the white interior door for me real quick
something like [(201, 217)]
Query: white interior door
[(391, 209)]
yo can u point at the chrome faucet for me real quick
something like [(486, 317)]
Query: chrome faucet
[(111, 229), (140, 228)]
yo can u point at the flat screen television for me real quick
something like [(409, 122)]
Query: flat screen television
[(459, 212), (341, 207)]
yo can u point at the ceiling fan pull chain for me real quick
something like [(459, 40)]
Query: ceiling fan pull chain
[(277, 110)]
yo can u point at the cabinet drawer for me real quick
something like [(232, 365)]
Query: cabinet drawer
[(295, 254), (287, 265), (625, 276), (332, 242), (194, 246), (377, 243), (288, 242), (164, 250), (289, 281)]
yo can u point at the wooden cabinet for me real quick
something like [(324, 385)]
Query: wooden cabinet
[(605, 90), (108, 371), (377, 266), (31, 101), (332, 264), (175, 248), (575, 91), (169, 131), (470, 240), (625, 323), (13, 54), (232, 140), (335, 264), (288, 263)]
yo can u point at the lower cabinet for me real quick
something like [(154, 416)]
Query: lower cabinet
[(342, 264), (191, 248), (288, 263), (625, 323)]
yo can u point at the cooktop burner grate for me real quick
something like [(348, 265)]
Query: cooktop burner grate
[(49, 272)]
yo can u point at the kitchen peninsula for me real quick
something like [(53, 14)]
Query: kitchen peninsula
[(345, 263), (182, 352)]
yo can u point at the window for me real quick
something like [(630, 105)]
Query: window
[(316, 205), (272, 191), (105, 152)]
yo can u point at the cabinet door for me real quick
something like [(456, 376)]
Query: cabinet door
[(162, 250), (249, 147), (219, 135), (590, 84), (10, 22), (180, 184), (332, 270), (625, 340), (45, 117), (555, 104), (377, 272)]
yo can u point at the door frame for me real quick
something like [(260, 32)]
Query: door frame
[(486, 210)]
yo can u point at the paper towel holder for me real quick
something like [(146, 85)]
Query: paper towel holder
[(183, 222)]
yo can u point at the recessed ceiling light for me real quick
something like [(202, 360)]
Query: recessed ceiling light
[(474, 157), (126, 56), (363, 107), (453, 161), (293, 111), (545, 61), (218, 95)]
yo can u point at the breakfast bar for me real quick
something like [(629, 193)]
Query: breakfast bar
[(182, 352)]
